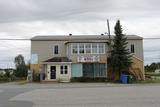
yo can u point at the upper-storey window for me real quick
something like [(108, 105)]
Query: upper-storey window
[(88, 48), (75, 48), (132, 48), (56, 49), (81, 48), (101, 48), (94, 48)]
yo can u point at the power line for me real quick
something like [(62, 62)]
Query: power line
[(18, 39), (151, 38), (15, 39)]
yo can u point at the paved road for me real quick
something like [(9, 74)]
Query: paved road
[(79, 95)]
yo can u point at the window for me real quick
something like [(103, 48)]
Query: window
[(74, 48), (61, 69), (81, 48), (94, 48), (132, 48), (64, 69), (88, 48), (101, 48), (56, 49)]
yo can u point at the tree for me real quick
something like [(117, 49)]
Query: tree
[(21, 69), (120, 55), (152, 67)]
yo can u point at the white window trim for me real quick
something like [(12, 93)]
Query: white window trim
[(91, 47), (53, 49), (134, 48), (98, 48), (104, 48), (64, 70)]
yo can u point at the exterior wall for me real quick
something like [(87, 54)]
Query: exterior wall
[(44, 49), (138, 46), (76, 70), (35, 67), (137, 68)]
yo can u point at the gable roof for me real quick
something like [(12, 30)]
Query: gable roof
[(79, 37)]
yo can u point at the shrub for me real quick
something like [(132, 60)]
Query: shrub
[(88, 79), (3, 78), (36, 77)]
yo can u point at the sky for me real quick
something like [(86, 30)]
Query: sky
[(28, 18)]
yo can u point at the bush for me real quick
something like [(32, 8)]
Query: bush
[(36, 77), (88, 79), (3, 78)]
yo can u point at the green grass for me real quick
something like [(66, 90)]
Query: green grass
[(152, 74), (148, 81), (22, 82)]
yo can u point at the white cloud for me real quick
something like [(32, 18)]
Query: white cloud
[(27, 18)]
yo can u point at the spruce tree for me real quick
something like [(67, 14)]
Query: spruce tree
[(120, 55)]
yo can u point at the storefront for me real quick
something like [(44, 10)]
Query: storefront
[(88, 66)]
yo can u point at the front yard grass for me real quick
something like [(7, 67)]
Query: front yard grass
[(22, 82)]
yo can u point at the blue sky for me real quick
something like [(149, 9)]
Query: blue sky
[(27, 18)]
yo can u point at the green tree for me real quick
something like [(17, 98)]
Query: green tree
[(120, 55), (21, 68), (152, 67)]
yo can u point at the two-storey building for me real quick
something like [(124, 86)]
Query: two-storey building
[(62, 57)]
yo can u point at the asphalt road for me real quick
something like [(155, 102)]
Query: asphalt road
[(79, 95)]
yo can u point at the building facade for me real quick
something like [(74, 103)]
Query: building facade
[(60, 58)]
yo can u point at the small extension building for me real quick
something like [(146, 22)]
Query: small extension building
[(60, 58)]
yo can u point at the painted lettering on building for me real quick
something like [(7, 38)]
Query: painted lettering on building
[(88, 59)]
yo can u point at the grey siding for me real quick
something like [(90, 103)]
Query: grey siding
[(138, 46), (44, 49)]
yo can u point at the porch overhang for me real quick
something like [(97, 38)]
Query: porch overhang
[(57, 60)]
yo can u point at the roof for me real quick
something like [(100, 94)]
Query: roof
[(58, 59), (79, 37)]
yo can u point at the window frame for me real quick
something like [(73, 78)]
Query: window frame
[(103, 48), (64, 69), (82, 48), (87, 49), (75, 48), (56, 49), (94, 48), (132, 48)]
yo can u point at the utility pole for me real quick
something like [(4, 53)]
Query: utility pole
[(109, 36), (108, 53)]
